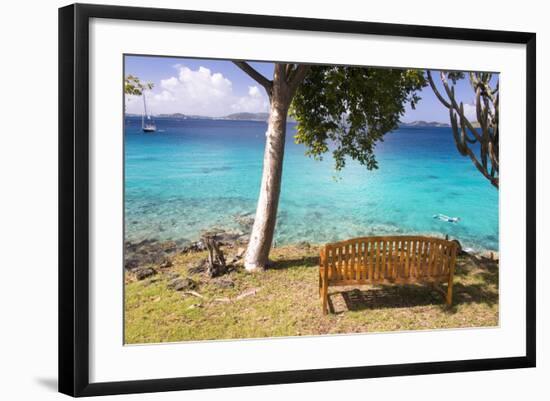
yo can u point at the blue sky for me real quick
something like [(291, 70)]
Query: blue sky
[(218, 87)]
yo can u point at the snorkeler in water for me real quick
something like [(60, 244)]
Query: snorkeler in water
[(445, 218)]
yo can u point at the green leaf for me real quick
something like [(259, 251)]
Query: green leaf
[(347, 110)]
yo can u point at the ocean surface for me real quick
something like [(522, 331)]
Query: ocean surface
[(193, 175)]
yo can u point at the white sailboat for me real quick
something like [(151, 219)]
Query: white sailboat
[(147, 122)]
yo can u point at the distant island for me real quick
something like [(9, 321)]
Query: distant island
[(234, 116), (247, 116), (186, 116), (422, 123), (265, 116)]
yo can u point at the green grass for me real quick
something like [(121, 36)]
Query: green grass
[(287, 303)]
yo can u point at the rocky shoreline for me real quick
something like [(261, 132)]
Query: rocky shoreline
[(146, 258)]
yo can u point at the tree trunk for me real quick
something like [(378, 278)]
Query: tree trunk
[(216, 261), (261, 238)]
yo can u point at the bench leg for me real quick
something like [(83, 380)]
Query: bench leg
[(325, 298), (449, 297)]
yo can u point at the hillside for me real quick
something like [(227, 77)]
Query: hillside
[(422, 123)]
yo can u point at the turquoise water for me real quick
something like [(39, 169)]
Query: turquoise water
[(193, 175)]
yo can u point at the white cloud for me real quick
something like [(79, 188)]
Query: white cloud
[(200, 92), (470, 111), (253, 91), (256, 101), (169, 83)]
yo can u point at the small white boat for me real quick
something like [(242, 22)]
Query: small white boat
[(147, 123)]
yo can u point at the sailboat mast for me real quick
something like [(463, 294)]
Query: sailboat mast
[(144, 110), (147, 123)]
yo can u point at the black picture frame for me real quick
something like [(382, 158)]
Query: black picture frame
[(74, 198)]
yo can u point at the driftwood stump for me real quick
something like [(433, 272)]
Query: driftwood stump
[(216, 261)]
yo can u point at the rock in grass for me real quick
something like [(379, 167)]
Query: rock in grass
[(181, 284), (144, 272), (197, 267), (171, 275), (152, 280), (166, 263), (197, 246), (169, 246), (224, 283), (460, 250), (131, 264)]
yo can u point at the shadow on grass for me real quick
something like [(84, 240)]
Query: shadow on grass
[(386, 296), (308, 261), (487, 269), (396, 296), (402, 296)]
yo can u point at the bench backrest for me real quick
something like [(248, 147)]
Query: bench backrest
[(389, 259)]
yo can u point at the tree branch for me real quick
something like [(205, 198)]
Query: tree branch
[(297, 75), (288, 69), (454, 104), (481, 169), (485, 98), (437, 93), (447, 104), (255, 75)]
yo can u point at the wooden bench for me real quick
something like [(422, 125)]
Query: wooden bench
[(387, 260)]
